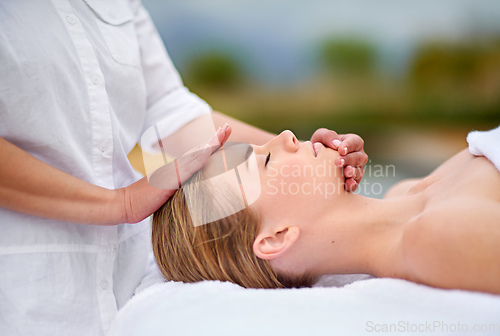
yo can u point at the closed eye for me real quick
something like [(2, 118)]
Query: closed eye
[(267, 159)]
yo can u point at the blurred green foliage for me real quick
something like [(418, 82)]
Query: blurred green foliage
[(459, 80), (348, 56), (446, 85), (458, 64), (217, 69)]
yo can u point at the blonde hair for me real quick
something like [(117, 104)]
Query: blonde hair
[(220, 250)]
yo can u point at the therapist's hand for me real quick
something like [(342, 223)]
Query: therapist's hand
[(172, 175), (352, 155), (141, 199)]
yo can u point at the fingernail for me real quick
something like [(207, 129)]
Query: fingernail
[(342, 162), (345, 150), (336, 143), (219, 130), (226, 125)]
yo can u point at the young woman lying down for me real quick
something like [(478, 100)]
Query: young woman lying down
[(442, 230)]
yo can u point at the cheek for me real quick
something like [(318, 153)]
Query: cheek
[(304, 183)]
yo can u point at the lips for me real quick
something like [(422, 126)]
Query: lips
[(317, 146), (312, 148)]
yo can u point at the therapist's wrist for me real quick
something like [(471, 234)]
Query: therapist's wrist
[(136, 202)]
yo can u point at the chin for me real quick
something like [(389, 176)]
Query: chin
[(332, 152), (331, 155)]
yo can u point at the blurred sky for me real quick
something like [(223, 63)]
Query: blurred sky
[(277, 40)]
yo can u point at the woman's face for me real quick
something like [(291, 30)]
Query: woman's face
[(298, 179)]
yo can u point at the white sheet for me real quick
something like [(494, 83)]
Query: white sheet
[(361, 308)]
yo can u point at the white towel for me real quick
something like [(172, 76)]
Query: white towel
[(486, 144), (374, 306)]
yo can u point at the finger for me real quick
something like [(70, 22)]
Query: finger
[(350, 143), (356, 159), (358, 176), (349, 172), (318, 134), (354, 173), (220, 137), (340, 161), (216, 141), (228, 130), (189, 164), (326, 137), (350, 185), (173, 174), (194, 161), (224, 133), (165, 177)]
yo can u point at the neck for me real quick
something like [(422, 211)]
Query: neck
[(361, 235)]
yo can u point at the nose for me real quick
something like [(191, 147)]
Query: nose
[(286, 141)]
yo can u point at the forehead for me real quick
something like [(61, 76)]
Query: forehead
[(232, 182)]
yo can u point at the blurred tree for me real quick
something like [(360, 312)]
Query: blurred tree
[(456, 64), (213, 69), (348, 56), (458, 79), (438, 64)]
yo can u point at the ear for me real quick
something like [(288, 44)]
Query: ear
[(269, 245)]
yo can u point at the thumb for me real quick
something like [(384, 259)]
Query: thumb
[(173, 174), (191, 162)]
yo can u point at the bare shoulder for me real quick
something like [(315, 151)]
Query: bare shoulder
[(418, 184), (456, 245)]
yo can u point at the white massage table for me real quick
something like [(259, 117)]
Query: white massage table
[(366, 307)]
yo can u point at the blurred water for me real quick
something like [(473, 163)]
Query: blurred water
[(380, 177)]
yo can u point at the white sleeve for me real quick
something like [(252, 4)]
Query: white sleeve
[(167, 97)]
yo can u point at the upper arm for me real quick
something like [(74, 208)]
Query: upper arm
[(242, 132)]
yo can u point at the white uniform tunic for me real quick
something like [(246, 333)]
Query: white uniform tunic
[(80, 81)]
